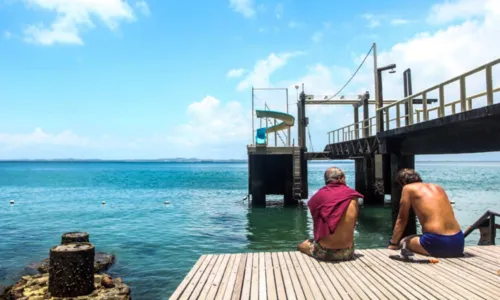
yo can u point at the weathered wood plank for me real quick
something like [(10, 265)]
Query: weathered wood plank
[(415, 277), (262, 277), (201, 282), (254, 291), (372, 275), (439, 278), (225, 278), (240, 275), (278, 276), (301, 279), (270, 280), (247, 280), (212, 285), (180, 289), (298, 257), (287, 279), (398, 278)]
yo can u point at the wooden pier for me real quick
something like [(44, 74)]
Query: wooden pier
[(372, 275)]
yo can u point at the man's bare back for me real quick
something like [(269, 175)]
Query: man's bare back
[(343, 237), (441, 233), (432, 208)]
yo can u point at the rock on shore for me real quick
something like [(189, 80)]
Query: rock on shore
[(36, 288), (102, 262)]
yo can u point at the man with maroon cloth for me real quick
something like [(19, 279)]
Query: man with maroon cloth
[(334, 210)]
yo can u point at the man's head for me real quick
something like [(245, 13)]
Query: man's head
[(334, 175), (407, 176)]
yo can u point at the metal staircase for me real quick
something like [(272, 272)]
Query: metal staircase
[(297, 178)]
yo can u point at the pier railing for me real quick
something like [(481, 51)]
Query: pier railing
[(487, 220), (403, 112)]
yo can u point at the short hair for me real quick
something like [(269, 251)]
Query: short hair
[(333, 174), (406, 176)]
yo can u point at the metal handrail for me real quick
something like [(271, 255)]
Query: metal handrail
[(413, 115), (492, 226)]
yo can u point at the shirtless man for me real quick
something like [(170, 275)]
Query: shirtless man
[(442, 236), (334, 210)]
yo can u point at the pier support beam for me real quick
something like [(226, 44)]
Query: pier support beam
[(365, 174), (399, 162)]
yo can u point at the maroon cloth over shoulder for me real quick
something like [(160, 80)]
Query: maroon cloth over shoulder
[(327, 207)]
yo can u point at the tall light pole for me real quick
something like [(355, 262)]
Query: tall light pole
[(380, 96)]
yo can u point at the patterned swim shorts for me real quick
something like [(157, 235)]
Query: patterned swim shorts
[(321, 253)]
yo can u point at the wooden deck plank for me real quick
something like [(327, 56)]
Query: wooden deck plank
[(270, 279), (377, 278), (212, 285), (254, 291), (333, 290), (357, 286), (438, 277), (240, 276), (247, 280), (475, 270), (485, 255), (334, 281), (297, 287), (319, 277), (278, 277), (416, 276), (399, 278), (287, 280), (464, 279), (372, 275), (203, 279), (301, 279), (299, 258), (225, 278), (262, 277), (180, 289)]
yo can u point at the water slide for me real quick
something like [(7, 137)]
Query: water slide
[(287, 121)]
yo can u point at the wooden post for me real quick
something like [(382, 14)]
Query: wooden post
[(399, 162), (366, 118), (489, 86), (359, 176), (356, 122), (71, 271), (74, 237), (463, 95)]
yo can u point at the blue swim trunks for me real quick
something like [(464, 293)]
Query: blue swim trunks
[(438, 245)]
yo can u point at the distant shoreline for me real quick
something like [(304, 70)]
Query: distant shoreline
[(196, 160)]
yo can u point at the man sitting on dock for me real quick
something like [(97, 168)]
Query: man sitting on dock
[(442, 236), (334, 210)]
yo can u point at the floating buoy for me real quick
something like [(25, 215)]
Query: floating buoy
[(11, 201), (167, 202), (103, 202)]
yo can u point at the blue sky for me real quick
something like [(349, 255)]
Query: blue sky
[(149, 79)]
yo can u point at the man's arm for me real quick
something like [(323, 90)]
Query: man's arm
[(404, 211)]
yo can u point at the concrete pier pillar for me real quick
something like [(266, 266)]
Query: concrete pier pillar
[(365, 174), (399, 162)]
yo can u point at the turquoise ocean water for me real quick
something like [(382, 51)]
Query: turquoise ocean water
[(157, 244)]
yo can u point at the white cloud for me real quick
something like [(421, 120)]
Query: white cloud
[(279, 10), (459, 10), (261, 73), (38, 136), (235, 73), (74, 17), (143, 7), (399, 21), (317, 36), (295, 24), (211, 122), (373, 21), (7, 34), (244, 7)]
